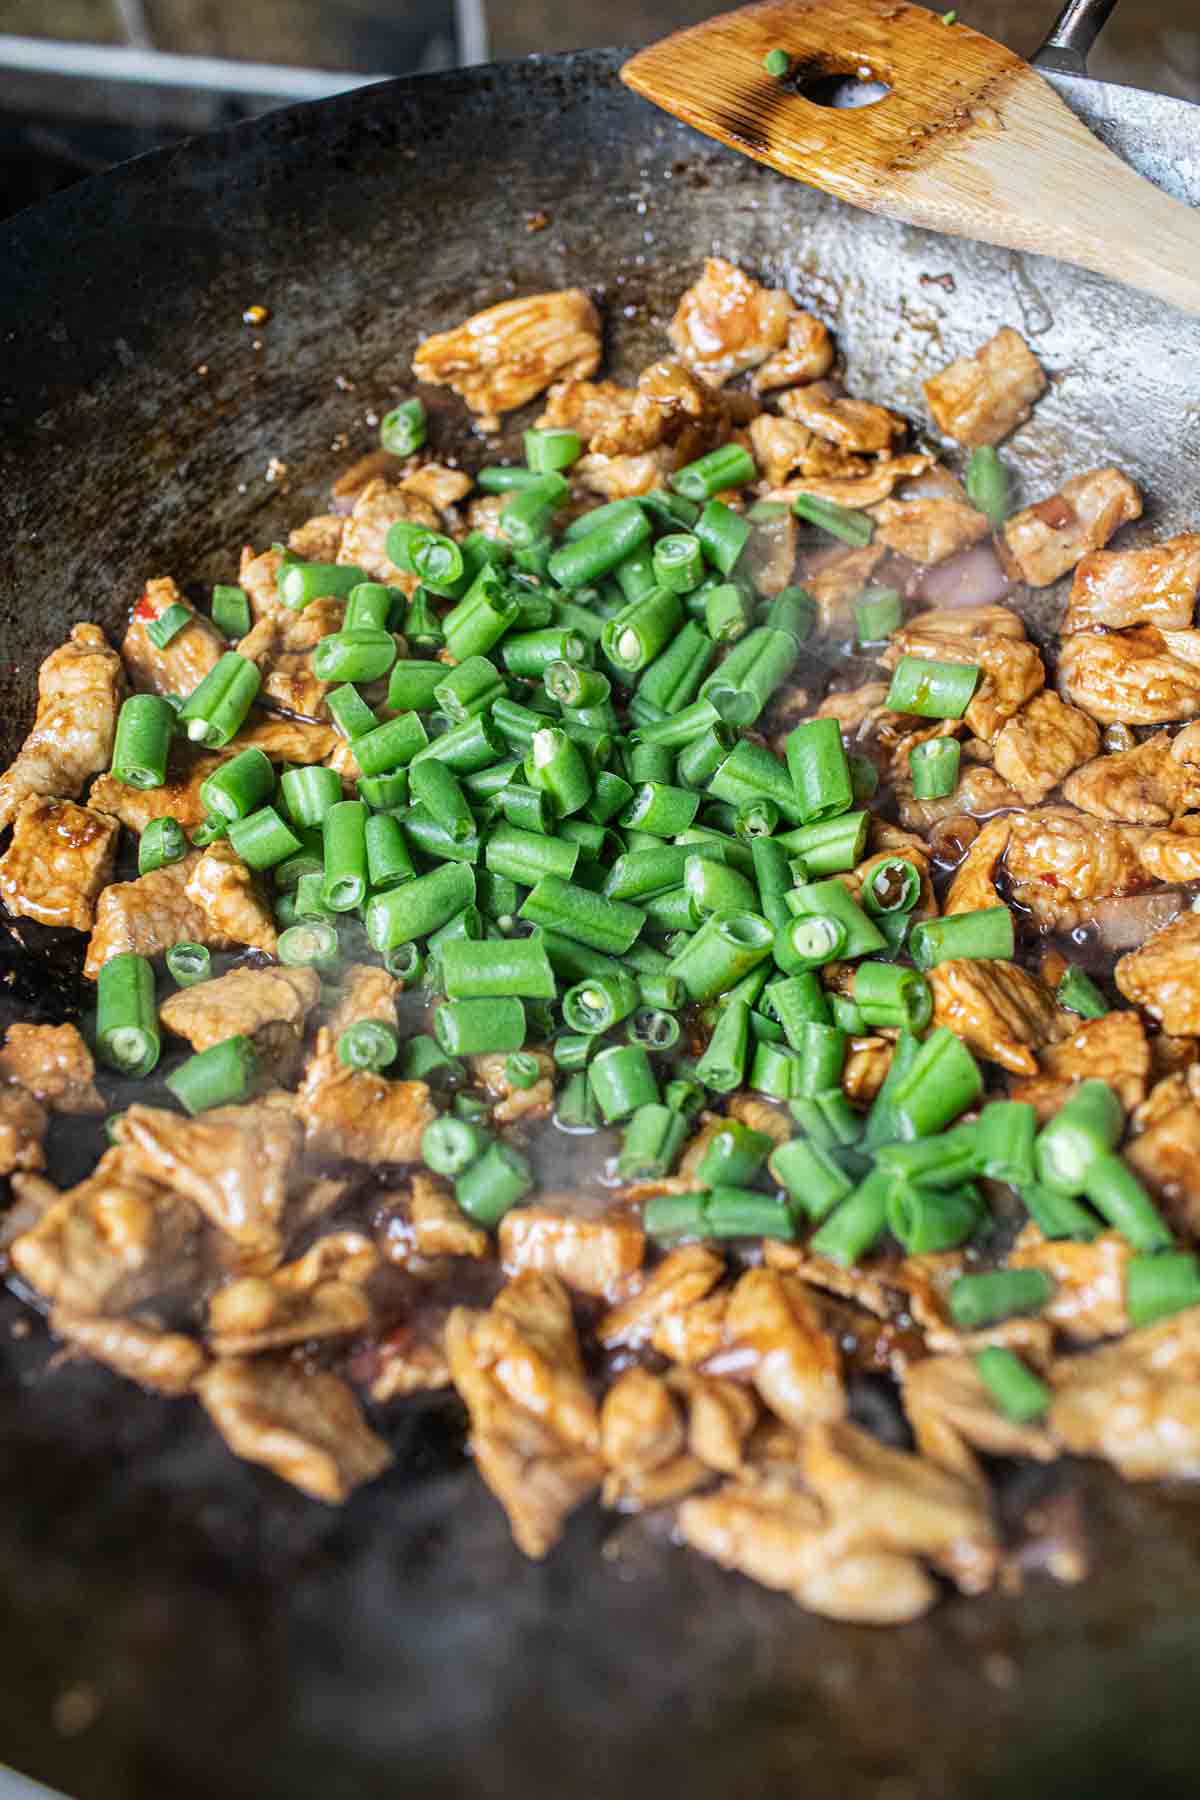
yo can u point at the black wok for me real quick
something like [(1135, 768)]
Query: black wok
[(240, 1640)]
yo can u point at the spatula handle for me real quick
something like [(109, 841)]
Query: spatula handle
[(1072, 35)]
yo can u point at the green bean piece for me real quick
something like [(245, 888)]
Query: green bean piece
[(1006, 1133), (977, 1301), (494, 1184), (622, 1080), (403, 430), (142, 742), (1118, 1196), (450, 1145), (1087, 1126), (653, 1139), (222, 1075), (724, 1063), (932, 690), (1017, 1392), (1159, 1285), (814, 1180), (844, 522), (418, 907), (127, 1034), (498, 969), (856, 1223), (311, 945), (479, 1027), (987, 934), (1078, 993), (924, 1221), (370, 1044), (987, 485), (163, 842), (933, 768)]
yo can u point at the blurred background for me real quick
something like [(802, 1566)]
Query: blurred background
[(85, 83)]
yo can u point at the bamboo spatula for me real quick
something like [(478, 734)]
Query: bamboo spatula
[(969, 139)]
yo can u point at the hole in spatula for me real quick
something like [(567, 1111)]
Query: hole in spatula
[(843, 92)]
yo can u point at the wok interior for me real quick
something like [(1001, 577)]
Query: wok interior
[(239, 1638)]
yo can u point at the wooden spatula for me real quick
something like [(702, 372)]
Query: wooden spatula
[(969, 139)]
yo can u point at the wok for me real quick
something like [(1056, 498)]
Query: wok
[(237, 1638)]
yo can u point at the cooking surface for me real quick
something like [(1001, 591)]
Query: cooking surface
[(156, 1584)]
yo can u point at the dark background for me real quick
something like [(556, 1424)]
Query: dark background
[(56, 126)]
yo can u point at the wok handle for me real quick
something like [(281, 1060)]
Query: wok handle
[(1072, 35)]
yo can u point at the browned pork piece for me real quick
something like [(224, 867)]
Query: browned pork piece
[(320, 1295), (980, 792), (363, 992), (149, 915), (857, 425), (1138, 677), (59, 859), (643, 1441), (535, 1430), (118, 1239), (999, 1010), (593, 1256), (784, 448), (793, 1361), (430, 1224), (406, 1361), (980, 399), (623, 477), (234, 1163), (510, 1102), (952, 1415), (1088, 1301), (1148, 785), (305, 1426), (670, 405), (1161, 976), (1040, 745), (166, 1362), (721, 1416), (1047, 539), (1012, 671), (1166, 1155), (846, 1531), (499, 359), (180, 665), (288, 740), (1155, 585), (23, 1125), (439, 486), (1112, 1049), (269, 1006), (1136, 1403), (229, 896), (1057, 863), (355, 1114), (319, 538), (806, 357), (364, 541), (178, 797), (866, 490), (53, 1063), (80, 689), (726, 322), (674, 1286), (281, 644), (928, 530), (836, 578)]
